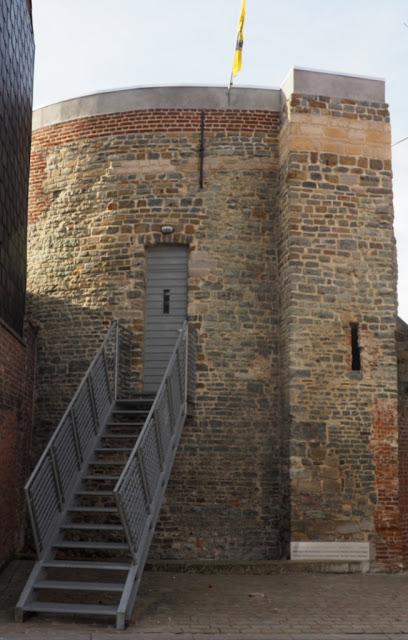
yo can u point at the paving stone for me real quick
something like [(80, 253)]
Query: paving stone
[(290, 607)]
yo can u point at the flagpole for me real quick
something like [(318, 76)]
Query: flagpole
[(232, 69), (230, 82)]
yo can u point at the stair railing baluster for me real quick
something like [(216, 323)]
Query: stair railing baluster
[(105, 364), (159, 438), (146, 489), (35, 525), (93, 404), (170, 404), (77, 441), (57, 477)]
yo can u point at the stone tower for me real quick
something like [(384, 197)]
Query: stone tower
[(283, 199)]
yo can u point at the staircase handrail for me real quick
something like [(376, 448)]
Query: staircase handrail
[(52, 480), (142, 484)]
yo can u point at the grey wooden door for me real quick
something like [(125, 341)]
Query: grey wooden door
[(165, 309)]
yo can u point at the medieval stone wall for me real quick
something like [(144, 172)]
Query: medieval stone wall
[(101, 189), (338, 276)]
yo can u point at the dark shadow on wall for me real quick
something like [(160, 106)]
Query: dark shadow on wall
[(225, 496), (16, 395), (69, 336)]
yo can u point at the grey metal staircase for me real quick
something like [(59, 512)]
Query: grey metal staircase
[(93, 524)]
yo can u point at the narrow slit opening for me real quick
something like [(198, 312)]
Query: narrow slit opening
[(166, 300), (355, 347)]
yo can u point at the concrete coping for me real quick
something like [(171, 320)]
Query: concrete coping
[(333, 85), (302, 81)]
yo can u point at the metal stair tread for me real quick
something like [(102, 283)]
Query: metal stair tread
[(85, 544), (119, 435), (101, 477), (142, 398), (83, 564), (95, 494), (93, 509), (90, 526), (79, 586), (112, 450), (126, 423), (68, 607), (106, 463), (131, 406), (129, 411)]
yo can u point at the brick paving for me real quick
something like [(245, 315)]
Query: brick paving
[(175, 606)]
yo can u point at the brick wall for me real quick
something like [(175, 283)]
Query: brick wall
[(402, 354), (16, 399)]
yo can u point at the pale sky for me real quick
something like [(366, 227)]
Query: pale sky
[(85, 46)]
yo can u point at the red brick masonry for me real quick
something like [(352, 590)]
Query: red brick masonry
[(16, 401)]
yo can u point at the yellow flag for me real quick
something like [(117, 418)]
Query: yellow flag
[(237, 63)]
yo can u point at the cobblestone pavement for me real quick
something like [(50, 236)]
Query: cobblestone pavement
[(176, 606)]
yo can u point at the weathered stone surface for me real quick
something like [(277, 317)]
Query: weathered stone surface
[(346, 230)]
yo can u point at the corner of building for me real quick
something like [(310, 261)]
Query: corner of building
[(338, 308)]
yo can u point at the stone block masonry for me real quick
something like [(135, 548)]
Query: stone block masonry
[(338, 275), (291, 285), (101, 189)]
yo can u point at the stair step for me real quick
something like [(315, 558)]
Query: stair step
[(101, 477), (89, 527), (93, 509), (126, 424), (141, 405), (112, 450), (106, 463), (94, 494), (119, 435), (143, 398), (79, 586), (66, 607), (129, 411), (87, 565), (104, 546)]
